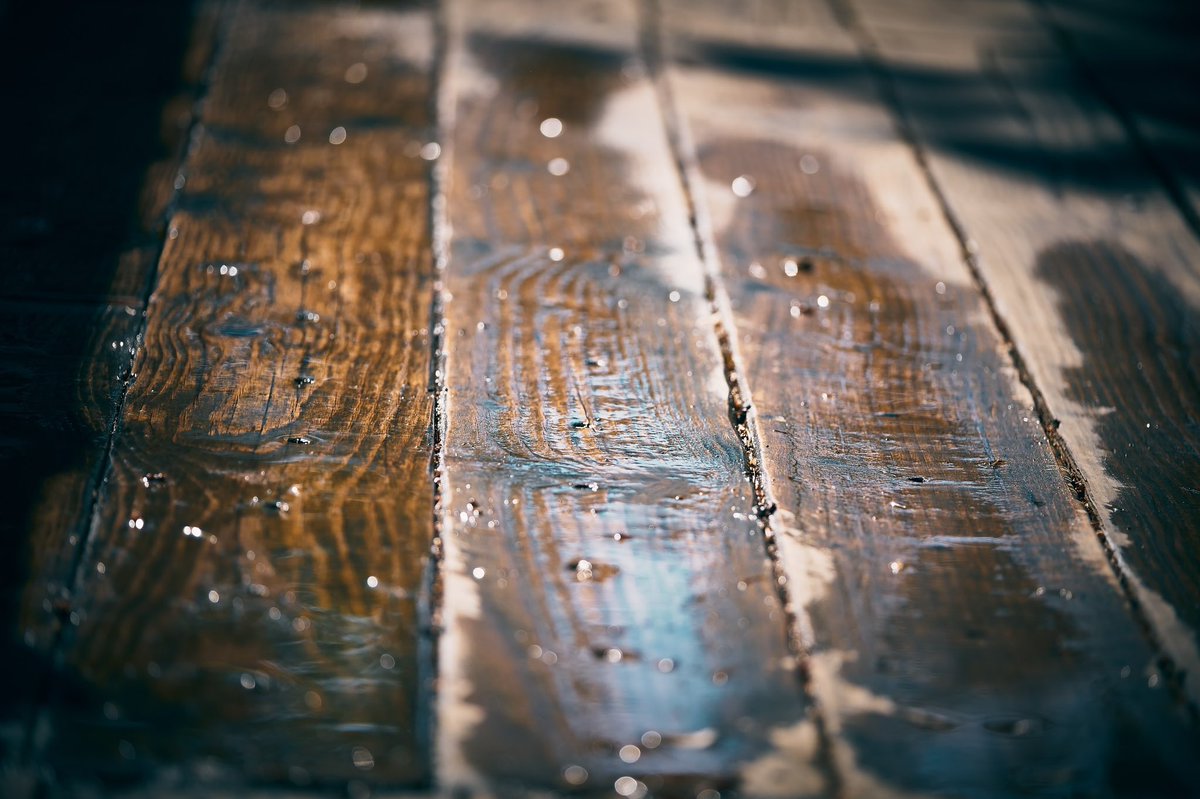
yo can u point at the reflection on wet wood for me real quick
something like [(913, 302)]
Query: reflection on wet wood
[(966, 633), (247, 603), (1092, 269), (610, 612)]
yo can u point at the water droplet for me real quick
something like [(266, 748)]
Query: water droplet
[(673, 296), (896, 566), (372, 582), (742, 185), (431, 151), (363, 758), (248, 681), (790, 267), (558, 167), (356, 73), (292, 134), (551, 127), (478, 572), (214, 597), (337, 135), (387, 661), (625, 786), (822, 301), (666, 665), (310, 217), (651, 739), (277, 99), (809, 165), (575, 775), (940, 288), (630, 753), (556, 254)]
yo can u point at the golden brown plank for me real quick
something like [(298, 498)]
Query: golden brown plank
[(610, 613), (246, 606), (966, 634), (1090, 266)]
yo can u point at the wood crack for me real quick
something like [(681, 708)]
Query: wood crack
[(740, 404)]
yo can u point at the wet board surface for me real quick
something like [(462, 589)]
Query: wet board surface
[(609, 606), (631, 397), (957, 607)]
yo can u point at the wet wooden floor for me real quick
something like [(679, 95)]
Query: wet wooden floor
[(793, 398)]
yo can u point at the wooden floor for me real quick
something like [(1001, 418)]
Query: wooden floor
[(672, 398)]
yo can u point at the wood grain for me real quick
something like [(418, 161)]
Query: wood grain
[(246, 606), (1054, 200), (965, 632), (611, 615)]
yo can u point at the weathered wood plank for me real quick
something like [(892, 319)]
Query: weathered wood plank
[(75, 272), (246, 607), (1091, 268), (610, 612), (965, 632)]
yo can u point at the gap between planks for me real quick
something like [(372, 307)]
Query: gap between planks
[(742, 413)]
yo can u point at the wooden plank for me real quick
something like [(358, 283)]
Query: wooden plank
[(1093, 271), (247, 605), (965, 634), (611, 618), (76, 271)]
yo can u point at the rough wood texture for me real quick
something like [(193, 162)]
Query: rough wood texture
[(1091, 268), (82, 212), (608, 601), (246, 605), (966, 635)]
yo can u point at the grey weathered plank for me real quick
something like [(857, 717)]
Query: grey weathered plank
[(1092, 269), (965, 632), (610, 612)]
